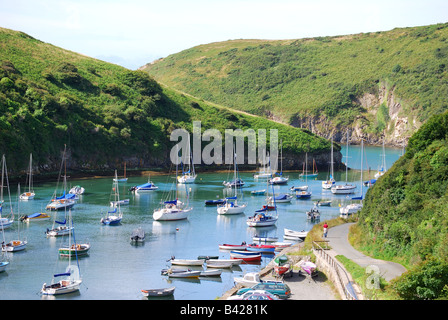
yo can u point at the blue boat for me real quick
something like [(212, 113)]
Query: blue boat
[(146, 187), (214, 202)]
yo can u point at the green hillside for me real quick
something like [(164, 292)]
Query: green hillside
[(106, 114), (383, 82), (405, 214)]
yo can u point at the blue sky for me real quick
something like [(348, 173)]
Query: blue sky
[(135, 32)]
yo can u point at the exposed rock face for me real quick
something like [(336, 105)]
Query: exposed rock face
[(399, 126)]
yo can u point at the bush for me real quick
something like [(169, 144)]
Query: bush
[(427, 281)]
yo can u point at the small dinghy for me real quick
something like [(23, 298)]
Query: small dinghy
[(226, 246), (164, 292)]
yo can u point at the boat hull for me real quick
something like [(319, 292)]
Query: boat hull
[(14, 246), (61, 287), (226, 209), (171, 215), (164, 292), (245, 256)]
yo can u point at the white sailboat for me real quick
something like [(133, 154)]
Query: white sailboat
[(5, 222), (29, 195), (173, 209), (72, 280), (124, 179), (303, 192), (354, 207), (65, 201), (231, 205), (265, 171), (190, 175), (60, 203), (17, 244), (264, 217), (115, 216), (382, 169), (280, 179), (327, 184), (345, 188)]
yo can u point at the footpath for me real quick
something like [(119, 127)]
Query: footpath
[(338, 241)]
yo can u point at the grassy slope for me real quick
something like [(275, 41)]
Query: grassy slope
[(103, 112), (319, 76)]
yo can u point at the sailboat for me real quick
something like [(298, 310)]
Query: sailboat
[(5, 222), (280, 179), (327, 184), (264, 217), (265, 171), (18, 244), (29, 195), (72, 280), (347, 188), (190, 175), (4, 260), (382, 169), (172, 209), (144, 188), (309, 175), (124, 179), (303, 193), (354, 207), (65, 201), (231, 205), (237, 182), (114, 217)]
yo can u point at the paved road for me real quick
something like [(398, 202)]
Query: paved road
[(338, 240)]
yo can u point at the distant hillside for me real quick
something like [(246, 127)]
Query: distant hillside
[(106, 114), (374, 83)]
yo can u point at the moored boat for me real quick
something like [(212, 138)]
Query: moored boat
[(261, 248), (186, 262), (38, 216), (138, 235), (163, 292), (226, 246), (79, 249), (245, 255)]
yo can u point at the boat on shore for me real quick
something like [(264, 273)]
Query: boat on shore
[(294, 235)]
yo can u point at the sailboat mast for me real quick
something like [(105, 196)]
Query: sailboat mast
[(346, 162)]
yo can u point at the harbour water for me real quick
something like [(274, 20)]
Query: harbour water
[(115, 269)]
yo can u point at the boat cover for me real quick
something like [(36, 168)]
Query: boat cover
[(61, 222)]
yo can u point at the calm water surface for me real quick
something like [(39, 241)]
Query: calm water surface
[(116, 269)]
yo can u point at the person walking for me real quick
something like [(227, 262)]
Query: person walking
[(325, 229)]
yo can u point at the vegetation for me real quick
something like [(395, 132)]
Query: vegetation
[(296, 80), (405, 214), (103, 112)]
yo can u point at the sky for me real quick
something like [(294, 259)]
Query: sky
[(132, 33)]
